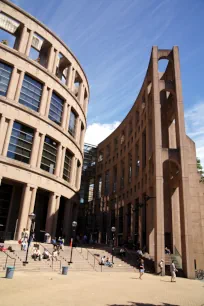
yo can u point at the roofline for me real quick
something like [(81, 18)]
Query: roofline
[(48, 30)]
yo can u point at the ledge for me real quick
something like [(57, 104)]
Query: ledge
[(49, 122), (48, 30)]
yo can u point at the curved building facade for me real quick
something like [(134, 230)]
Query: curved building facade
[(44, 96), (146, 180)]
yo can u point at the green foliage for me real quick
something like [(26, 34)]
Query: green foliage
[(200, 170)]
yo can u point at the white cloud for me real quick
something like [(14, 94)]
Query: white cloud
[(195, 127), (97, 132)]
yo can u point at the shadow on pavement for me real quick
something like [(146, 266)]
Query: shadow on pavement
[(142, 304)]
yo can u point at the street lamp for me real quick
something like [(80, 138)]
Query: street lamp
[(113, 229), (74, 225), (32, 217)]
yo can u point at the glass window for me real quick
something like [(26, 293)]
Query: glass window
[(67, 166), (5, 75), (31, 93), (49, 154), (21, 141), (72, 124), (56, 108)]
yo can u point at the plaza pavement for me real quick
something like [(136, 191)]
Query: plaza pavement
[(98, 289)]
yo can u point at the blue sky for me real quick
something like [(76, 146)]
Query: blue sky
[(113, 39)]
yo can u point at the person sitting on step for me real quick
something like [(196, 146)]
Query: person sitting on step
[(108, 263)]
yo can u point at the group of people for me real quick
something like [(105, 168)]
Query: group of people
[(105, 261), (173, 269), (36, 254)]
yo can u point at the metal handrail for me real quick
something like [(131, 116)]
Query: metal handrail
[(95, 259), (87, 256), (7, 255), (50, 254)]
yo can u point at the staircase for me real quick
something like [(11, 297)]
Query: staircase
[(83, 259), (94, 255)]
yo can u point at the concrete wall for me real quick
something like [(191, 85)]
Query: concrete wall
[(55, 60)]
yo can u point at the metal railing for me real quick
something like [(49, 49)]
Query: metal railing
[(7, 255), (95, 260), (51, 256)]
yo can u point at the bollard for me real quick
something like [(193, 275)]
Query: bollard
[(64, 270), (10, 272)]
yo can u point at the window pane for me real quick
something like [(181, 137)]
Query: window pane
[(67, 166), (5, 75), (56, 109), (31, 92), (72, 124), (49, 154), (21, 141)]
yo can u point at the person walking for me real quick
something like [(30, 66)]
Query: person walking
[(173, 271), (161, 266), (141, 268)]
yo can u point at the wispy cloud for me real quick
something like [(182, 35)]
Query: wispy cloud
[(97, 132)]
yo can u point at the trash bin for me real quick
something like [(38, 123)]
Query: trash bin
[(64, 270), (10, 272)]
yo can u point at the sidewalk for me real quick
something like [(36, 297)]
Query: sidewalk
[(98, 289)]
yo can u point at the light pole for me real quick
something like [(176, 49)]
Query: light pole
[(113, 229), (74, 225), (32, 217)]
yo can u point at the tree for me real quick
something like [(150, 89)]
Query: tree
[(200, 170)]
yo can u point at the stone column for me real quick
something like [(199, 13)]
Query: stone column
[(85, 106), (68, 117), (82, 138), (184, 197), (7, 138), (78, 175), (19, 86), (81, 94), (50, 59), (176, 221), (64, 115), (30, 38), (21, 47), (48, 102), (78, 129), (12, 84), (52, 211), (159, 203), (73, 171), (35, 147), (55, 62), (32, 205), (56, 216), (43, 100), (39, 157), (73, 79), (62, 162), (2, 131), (24, 210), (58, 160), (69, 77)]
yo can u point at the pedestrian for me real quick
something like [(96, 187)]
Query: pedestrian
[(23, 233), (141, 268), (173, 271), (161, 266), (47, 238)]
